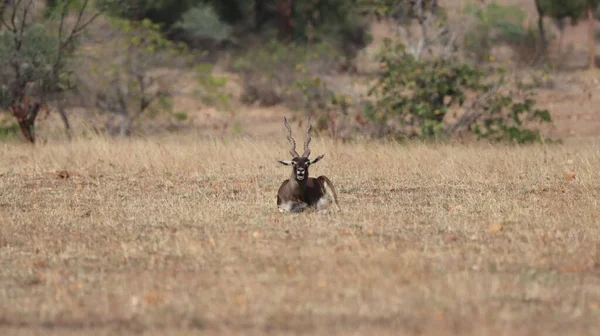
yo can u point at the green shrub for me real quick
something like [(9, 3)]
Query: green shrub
[(124, 76), (432, 99), (419, 95), (8, 129), (202, 22), (36, 52), (213, 92)]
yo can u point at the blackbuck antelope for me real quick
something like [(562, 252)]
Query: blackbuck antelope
[(300, 191)]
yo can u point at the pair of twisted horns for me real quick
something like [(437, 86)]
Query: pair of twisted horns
[(293, 142)]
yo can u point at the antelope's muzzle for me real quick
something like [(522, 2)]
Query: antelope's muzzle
[(300, 173)]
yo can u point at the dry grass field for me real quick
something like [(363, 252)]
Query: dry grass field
[(182, 236)]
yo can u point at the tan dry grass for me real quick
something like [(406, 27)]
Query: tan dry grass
[(182, 235)]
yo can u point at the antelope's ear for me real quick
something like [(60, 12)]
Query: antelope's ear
[(286, 163), (317, 159)]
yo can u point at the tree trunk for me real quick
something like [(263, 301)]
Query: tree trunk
[(286, 19), (65, 119), (542, 33), (25, 113), (591, 39), (125, 124), (260, 14)]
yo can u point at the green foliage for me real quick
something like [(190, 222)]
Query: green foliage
[(504, 119), (124, 76), (326, 18), (36, 48), (231, 20), (417, 90), (180, 116), (386, 7), (499, 24), (213, 92), (419, 95), (506, 19), (212, 89), (163, 12), (171, 14), (144, 36), (335, 21), (135, 76), (8, 129), (403, 11), (560, 9), (430, 99), (203, 22), (36, 54)]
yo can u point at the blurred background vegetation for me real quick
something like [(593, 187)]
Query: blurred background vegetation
[(131, 67)]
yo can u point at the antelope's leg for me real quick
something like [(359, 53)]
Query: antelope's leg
[(329, 191), (299, 207), (324, 203), (291, 206)]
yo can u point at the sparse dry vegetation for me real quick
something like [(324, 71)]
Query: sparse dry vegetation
[(180, 235), (173, 228)]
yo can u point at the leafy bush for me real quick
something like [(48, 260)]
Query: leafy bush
[(560, 9), (420, 96), (8, 129), (419, 92), (202, 22), (130, 85), (131, 77), (213, 92), (434, 99), (163, 12), (35, 53)]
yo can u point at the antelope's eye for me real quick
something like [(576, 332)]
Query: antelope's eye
[(293, 163)]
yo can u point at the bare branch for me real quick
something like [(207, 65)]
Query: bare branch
[(80, 23), (472, 113), (13, 16), (78, 27), (146, 100), (63, 15), (24, 19), (13, 24), (423, 22)]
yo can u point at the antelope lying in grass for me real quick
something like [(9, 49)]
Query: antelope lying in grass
[(300, 191)]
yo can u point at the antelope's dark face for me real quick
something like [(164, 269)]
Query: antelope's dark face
[(300, 166)]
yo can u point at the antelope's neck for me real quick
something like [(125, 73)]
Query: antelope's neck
[(296, 183)]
